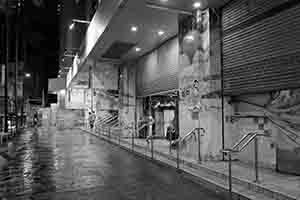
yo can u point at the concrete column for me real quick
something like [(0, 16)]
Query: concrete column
[(199, 81)]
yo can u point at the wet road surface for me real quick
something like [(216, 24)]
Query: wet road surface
[(71, 165)]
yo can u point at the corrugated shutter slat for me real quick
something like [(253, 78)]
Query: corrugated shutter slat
[(265, 55)]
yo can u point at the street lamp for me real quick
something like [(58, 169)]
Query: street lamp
[(72, 25)]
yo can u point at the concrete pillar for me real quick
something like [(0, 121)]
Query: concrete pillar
[(199, 81)]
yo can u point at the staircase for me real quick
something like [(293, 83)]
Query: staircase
[(107, 123)]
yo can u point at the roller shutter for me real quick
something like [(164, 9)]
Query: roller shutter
[(261, 46), (158, 71)]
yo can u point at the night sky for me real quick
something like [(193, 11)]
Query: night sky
[(41, 33), (38, 41)]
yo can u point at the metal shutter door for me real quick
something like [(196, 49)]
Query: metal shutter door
[(158, 71), (264, 55)]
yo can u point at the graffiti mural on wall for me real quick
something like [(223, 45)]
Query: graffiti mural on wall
[(284, 108)]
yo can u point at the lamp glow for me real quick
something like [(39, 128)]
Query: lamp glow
[(134, 28), (160, 32), (197, 5), (27, 75), (190, 37), (71, 27)]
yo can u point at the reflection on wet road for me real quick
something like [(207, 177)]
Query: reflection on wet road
[(73, 165)]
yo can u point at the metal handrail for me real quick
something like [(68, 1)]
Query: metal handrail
[(103, 118), (143, 126), (287, 132), (268, 114), (187, 136), (241, 140), (180, 141), (107, 120), (235, 149), (110, 119)]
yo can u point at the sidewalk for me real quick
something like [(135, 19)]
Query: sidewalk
[(272, 185)]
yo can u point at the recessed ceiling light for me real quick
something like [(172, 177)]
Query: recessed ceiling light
[(27, 75), (160, 32), (134, 28), (137, 49), (197, 4)]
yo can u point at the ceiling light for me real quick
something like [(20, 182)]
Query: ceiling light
[(72, 26), (134, 28), (137, 49), (27, 75), (160, 32), (197, 5)]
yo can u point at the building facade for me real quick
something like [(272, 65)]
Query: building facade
[(227, 69)]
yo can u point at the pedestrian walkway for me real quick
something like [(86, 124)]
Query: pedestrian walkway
[(272, 185), (72, 165)]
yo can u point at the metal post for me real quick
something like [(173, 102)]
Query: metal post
[(177, 156), (132, 140), (222, 85), (199, 145), (256, 159), (152, 157), (230, 175), (16, 66), (6, 70), (91, 86), (119, 135)]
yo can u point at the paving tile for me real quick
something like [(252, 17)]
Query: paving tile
[(70, 165)]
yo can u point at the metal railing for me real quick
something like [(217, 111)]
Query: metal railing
[(239, 147), (196, 132), (12, 128)]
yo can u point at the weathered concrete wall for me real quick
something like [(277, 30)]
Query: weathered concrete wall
[(75, 98), (282, 108), (105, 82), (195, 81), (127, 95)]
